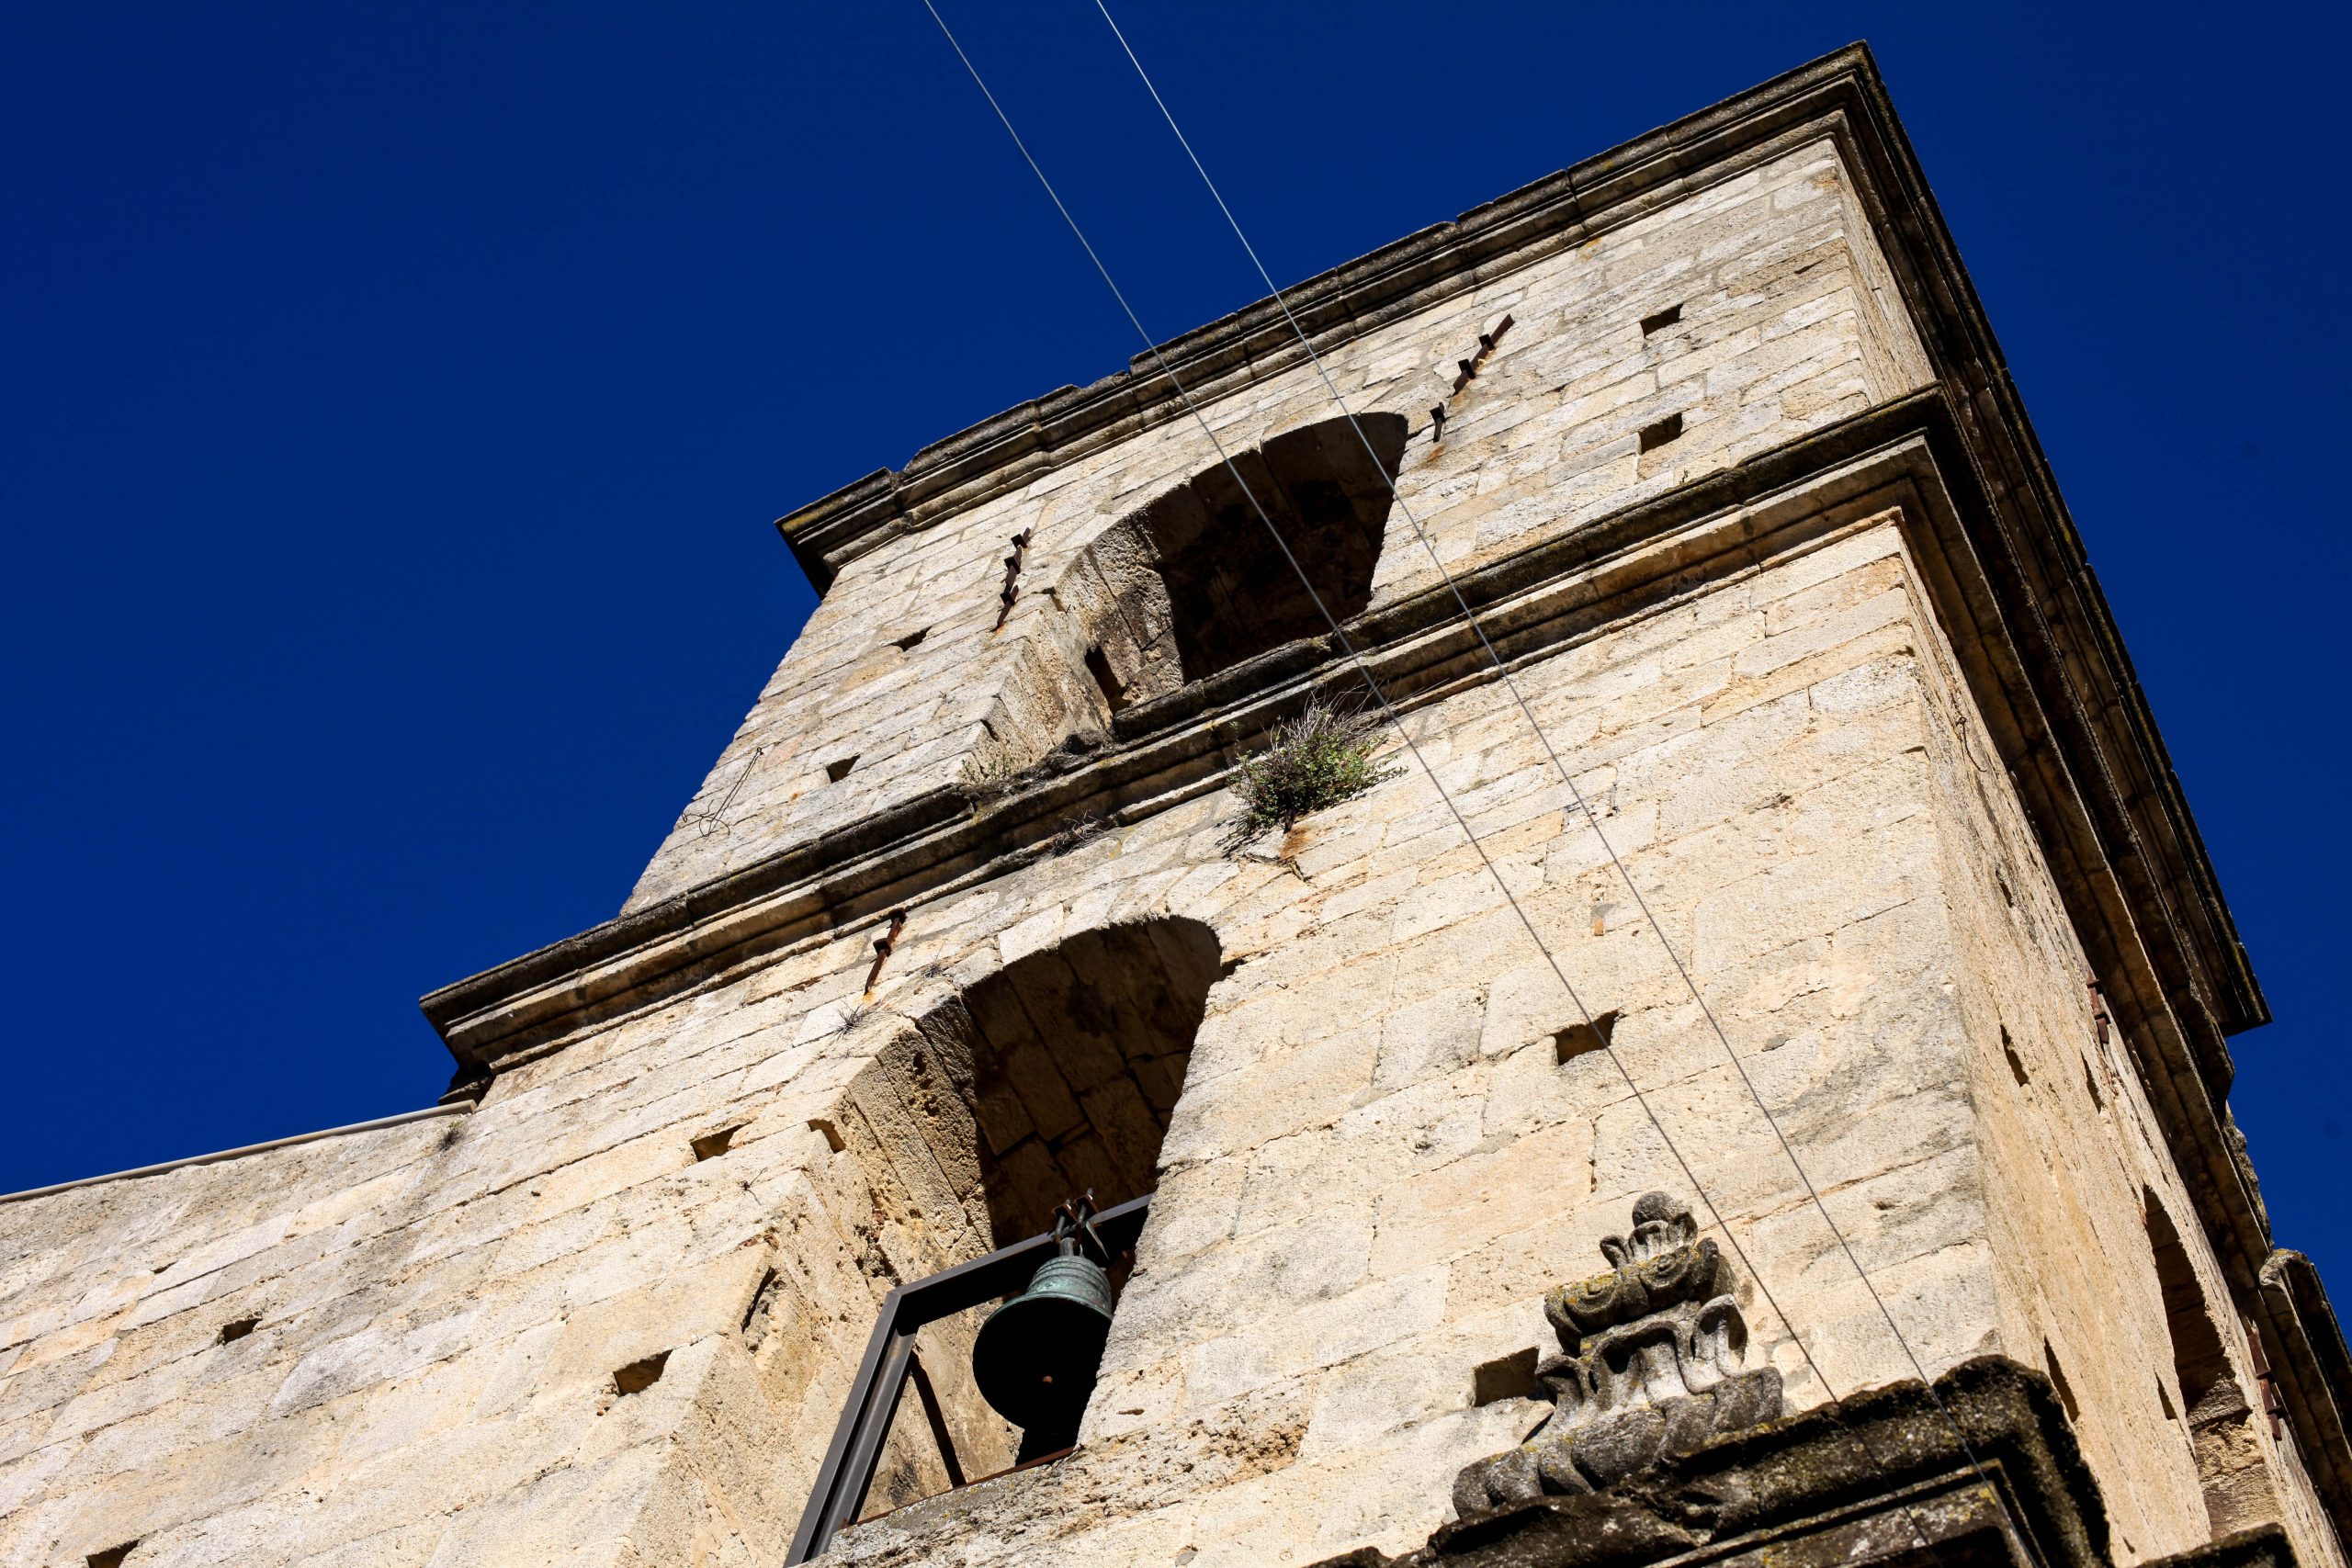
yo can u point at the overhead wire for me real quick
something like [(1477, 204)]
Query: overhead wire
[(1396, 720), (1812, 1192), (1502, 670)]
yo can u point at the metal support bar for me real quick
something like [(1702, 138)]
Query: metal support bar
[(885, 945), (816, 1521), (1012, 573), (1468, 368), (873, 1427), (847, 1473)]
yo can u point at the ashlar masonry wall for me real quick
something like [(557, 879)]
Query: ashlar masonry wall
[(578, 1326), (2073, 1168), (1377, 1166), (1787, 323)]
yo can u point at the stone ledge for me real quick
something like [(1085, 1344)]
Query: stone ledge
[(1560, 591), (1498, 237), (1883, 1477)]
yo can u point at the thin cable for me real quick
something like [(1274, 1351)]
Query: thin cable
[(713, 819), (1470, 617), (1394, 719)]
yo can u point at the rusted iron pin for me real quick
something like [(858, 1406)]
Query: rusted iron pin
[(1487, 341), (883, 946), (1012, 574)]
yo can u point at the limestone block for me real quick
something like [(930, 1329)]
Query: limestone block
[(1455, 1207)]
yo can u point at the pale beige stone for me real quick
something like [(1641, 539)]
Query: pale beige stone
[(1773, 709)]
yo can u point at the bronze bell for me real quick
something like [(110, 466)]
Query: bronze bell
[(1035, 1356)]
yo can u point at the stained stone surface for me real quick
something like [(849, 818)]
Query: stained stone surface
[(1786, 329), (1981, 1469)]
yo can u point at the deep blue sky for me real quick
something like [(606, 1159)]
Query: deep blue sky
[(398, 397)]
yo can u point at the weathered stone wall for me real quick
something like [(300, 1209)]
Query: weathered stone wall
[(1377, 1166), (2071, 1163), (1786, 325), (567, 1327)]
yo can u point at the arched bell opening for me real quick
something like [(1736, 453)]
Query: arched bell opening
[(1232, 594), (1079, 1052), (1191, 585), (1049, 1079), (2212, 1406)]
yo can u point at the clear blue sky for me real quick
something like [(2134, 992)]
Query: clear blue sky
[(397, 398)]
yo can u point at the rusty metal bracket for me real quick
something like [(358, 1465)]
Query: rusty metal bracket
[(883, 945), (1012, 574), (1074, 1218), (2267, 1383), (1436, 423), (1487, 341)]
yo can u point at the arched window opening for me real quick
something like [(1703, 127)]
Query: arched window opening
[(1075, 1057), (1231, 594), (1051, 1079), (1191, 585), (2230, 1464)]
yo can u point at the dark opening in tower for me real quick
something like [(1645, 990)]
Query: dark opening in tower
[(1050, 1078), (2230, 1464), (1231, 594), (1193, 584)]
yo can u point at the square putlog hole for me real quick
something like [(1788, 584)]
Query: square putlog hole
[(1663, 320), (1506, 1376), (112, 1557), (233, 1330), (1657, 435), (1584, 1038), (836, 771), (712, 1145), (639, 1376)]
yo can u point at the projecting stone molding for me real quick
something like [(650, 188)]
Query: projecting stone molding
[(1649, 1367)]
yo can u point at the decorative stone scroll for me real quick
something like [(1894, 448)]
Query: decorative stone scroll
[(1649, 1367)]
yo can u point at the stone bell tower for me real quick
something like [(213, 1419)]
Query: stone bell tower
[(1737, 1068)]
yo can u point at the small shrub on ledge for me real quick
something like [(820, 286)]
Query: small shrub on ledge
[(1317, 760)]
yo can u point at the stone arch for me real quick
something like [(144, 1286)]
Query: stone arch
[(1230, 594), (1067, 1064), (1054, 1075), (1189, 585), (2230, 1464)]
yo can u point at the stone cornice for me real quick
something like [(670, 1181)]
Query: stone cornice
[(1169, 750), (2314, 1373), (2101, 712), (1917, 453), (1396, 280)]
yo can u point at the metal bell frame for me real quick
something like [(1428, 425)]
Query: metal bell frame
[(889, 1360)]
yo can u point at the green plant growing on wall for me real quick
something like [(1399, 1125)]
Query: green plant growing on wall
[(1324, 756)]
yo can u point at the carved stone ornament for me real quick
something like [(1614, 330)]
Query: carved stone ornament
[(1649, 1367)]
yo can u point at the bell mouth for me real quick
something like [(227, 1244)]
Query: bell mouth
[(1035, 1357)]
